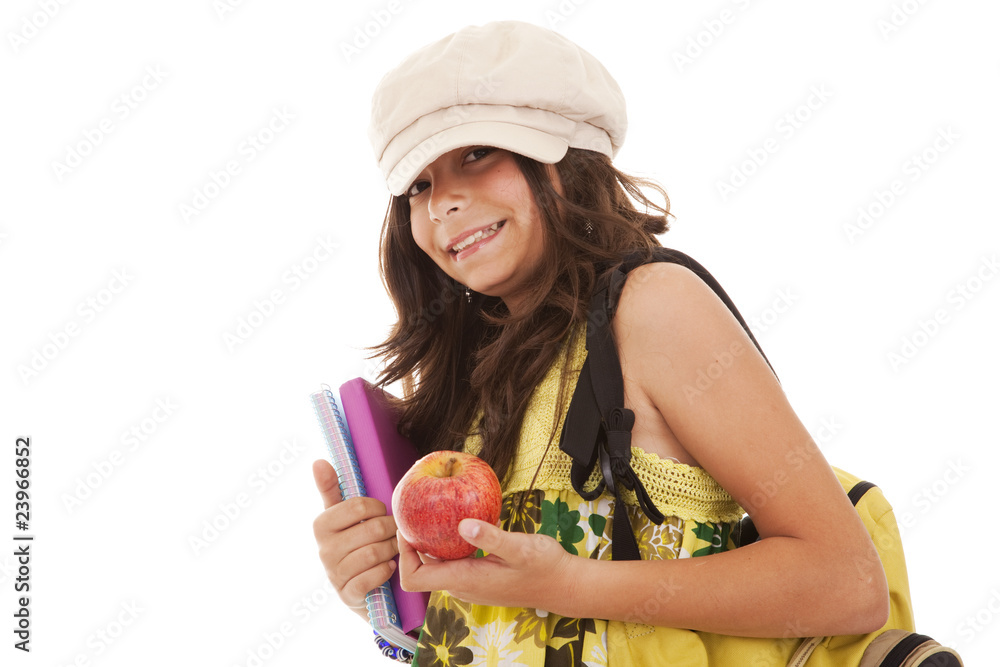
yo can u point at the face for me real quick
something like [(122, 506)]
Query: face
[(472, 212)]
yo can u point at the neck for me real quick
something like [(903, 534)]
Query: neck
[(516, 304)]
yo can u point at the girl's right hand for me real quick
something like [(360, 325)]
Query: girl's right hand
[(356, 538)]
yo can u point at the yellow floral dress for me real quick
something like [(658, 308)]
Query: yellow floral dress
[(700, 518)]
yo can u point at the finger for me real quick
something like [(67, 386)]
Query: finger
[(341, 529), (409, 564), (422, 572), (368, 557), (326, 482), (491, 539), (426, 558), (350, 512), (354, 592)]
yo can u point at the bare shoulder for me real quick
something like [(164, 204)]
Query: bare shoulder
[(687, 356), (664, 302), (680, 342), (672, 333), (658, 278)]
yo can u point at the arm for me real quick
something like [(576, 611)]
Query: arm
[(815, 570), (804, 574)]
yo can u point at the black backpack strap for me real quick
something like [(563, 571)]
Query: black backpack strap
[(858, 491), (598, 427), (616, 433)]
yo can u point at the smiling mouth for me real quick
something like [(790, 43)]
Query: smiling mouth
[(476, 237)]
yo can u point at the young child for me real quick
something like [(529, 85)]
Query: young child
[(496, 144)]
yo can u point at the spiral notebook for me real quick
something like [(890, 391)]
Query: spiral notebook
[(370, 457)]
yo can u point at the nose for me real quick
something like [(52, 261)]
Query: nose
[(448, 197)]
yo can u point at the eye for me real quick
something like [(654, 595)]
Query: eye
[(478, 153), (417, 188)]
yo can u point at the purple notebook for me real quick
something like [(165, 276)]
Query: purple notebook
[(384, 456)]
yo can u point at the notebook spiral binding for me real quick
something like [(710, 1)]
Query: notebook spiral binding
[(381, 605)]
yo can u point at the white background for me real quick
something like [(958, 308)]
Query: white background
[(922, 427)]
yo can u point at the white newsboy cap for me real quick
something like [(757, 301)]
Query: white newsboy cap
[(507, 84)]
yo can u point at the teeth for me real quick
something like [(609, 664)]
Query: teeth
[(478, 236)]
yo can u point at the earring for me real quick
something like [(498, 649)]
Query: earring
[(588, 229), (468, 295)]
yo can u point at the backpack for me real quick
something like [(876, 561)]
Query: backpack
[(597, 431)]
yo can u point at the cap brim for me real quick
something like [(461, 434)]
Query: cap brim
[(520, 139)]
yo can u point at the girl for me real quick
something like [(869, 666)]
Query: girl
[(496, 144)]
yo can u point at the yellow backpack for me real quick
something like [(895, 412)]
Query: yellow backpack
[(895, 644), (598, 408)]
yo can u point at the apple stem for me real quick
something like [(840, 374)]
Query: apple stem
[(449, 466)]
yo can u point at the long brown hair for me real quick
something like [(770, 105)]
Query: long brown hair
[(457, 358)]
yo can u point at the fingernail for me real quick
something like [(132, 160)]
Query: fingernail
[(468, 528)]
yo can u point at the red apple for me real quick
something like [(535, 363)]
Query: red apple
[(435, 494)]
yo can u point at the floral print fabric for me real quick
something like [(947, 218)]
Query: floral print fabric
[(459, 633)]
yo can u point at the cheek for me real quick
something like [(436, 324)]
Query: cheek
[(423, 231), (535, 225), (423, 234)]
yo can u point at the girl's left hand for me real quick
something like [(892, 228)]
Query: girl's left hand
[(520, 570)]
